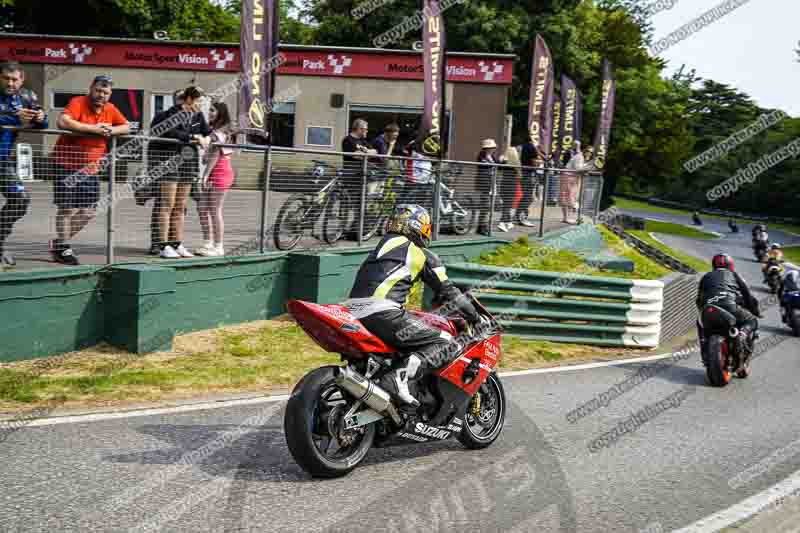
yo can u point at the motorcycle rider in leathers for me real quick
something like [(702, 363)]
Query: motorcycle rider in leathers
[(725, 288), (790, 283), (381, 291)]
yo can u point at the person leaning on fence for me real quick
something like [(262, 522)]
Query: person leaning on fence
[(150, 191), (484, 183), (182, 161), (217, 179), (510, 188), (355, 143), (77, 162), (19, 107)]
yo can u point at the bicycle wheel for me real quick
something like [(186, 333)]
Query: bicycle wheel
[(335, 216), (373, 216), (288, 229)]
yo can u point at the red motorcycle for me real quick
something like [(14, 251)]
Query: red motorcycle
[(337, 413)]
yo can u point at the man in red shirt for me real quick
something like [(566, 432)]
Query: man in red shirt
[(78, 160)]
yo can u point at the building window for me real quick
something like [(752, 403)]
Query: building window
[(161, 102), (282, 127), (319, 136), (130, 102)]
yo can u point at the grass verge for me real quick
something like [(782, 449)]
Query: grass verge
[(668, 228), (624, 203), (792, 254), (522, 254), (248, 358), (697, 264)]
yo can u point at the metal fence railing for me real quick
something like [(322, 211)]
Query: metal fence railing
[(149, 196)]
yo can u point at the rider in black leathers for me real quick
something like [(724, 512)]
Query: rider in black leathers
[(725, 288), (382, 288), (790, 283)]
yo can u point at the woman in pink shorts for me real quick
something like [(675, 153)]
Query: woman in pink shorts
[(217, 179)]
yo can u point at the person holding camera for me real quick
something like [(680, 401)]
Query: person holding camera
[(78, 159), (180, 167), (19, 108)]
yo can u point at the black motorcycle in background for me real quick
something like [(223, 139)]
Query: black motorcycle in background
[(723, 351)]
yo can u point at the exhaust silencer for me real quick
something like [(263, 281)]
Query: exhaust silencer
[(364, 389)]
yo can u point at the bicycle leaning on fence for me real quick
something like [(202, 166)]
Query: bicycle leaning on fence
[(302, 211)]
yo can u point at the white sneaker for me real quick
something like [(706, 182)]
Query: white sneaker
[(220, 251), (183, 252), (527, 223), (509, 226), (206, 250), (169, 253), (502, 226)]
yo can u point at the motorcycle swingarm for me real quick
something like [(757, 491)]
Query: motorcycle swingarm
[(362, 418)]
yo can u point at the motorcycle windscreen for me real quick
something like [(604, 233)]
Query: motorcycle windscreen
[(487, 352), (717, 320), (336, 330)]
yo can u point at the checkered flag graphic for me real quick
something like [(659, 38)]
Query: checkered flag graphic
[(221, 58), (490, 71), (79, 51), (338, 67)]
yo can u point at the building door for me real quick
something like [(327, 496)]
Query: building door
[(378, 117)]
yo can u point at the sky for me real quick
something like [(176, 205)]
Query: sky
[(751, 48)]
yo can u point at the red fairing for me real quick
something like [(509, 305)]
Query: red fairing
[(488, 351), (336, 330), (436, 321)]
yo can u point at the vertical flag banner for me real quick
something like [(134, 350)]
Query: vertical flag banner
[(603, 134), (431, 136), (571, 115), (540, 106), (259, 44), (555, 148)]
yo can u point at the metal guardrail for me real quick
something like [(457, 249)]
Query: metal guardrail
[(563, 307), (651, 251)]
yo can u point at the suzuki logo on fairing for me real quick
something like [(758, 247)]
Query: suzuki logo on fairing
[(429, 431)]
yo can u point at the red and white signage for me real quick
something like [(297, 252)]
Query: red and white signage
[(226, 59)]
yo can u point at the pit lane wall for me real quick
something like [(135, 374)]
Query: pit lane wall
[(140, 307)]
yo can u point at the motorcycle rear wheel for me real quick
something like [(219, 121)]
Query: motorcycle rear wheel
[(717, 368), (491, 418), (315, 404), (794, 321)]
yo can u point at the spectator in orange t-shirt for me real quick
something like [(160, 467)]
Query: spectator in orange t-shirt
[(78, 160)]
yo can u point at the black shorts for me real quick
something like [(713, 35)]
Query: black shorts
[(182, 167), (73, 190)]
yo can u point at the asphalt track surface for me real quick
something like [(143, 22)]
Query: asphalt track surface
[(228, 469)]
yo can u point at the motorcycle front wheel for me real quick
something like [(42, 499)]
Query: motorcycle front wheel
[(485, 415), (717, 358), (313, 425)]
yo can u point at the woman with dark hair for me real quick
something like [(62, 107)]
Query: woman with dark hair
[(217, 179), (182, 162)]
